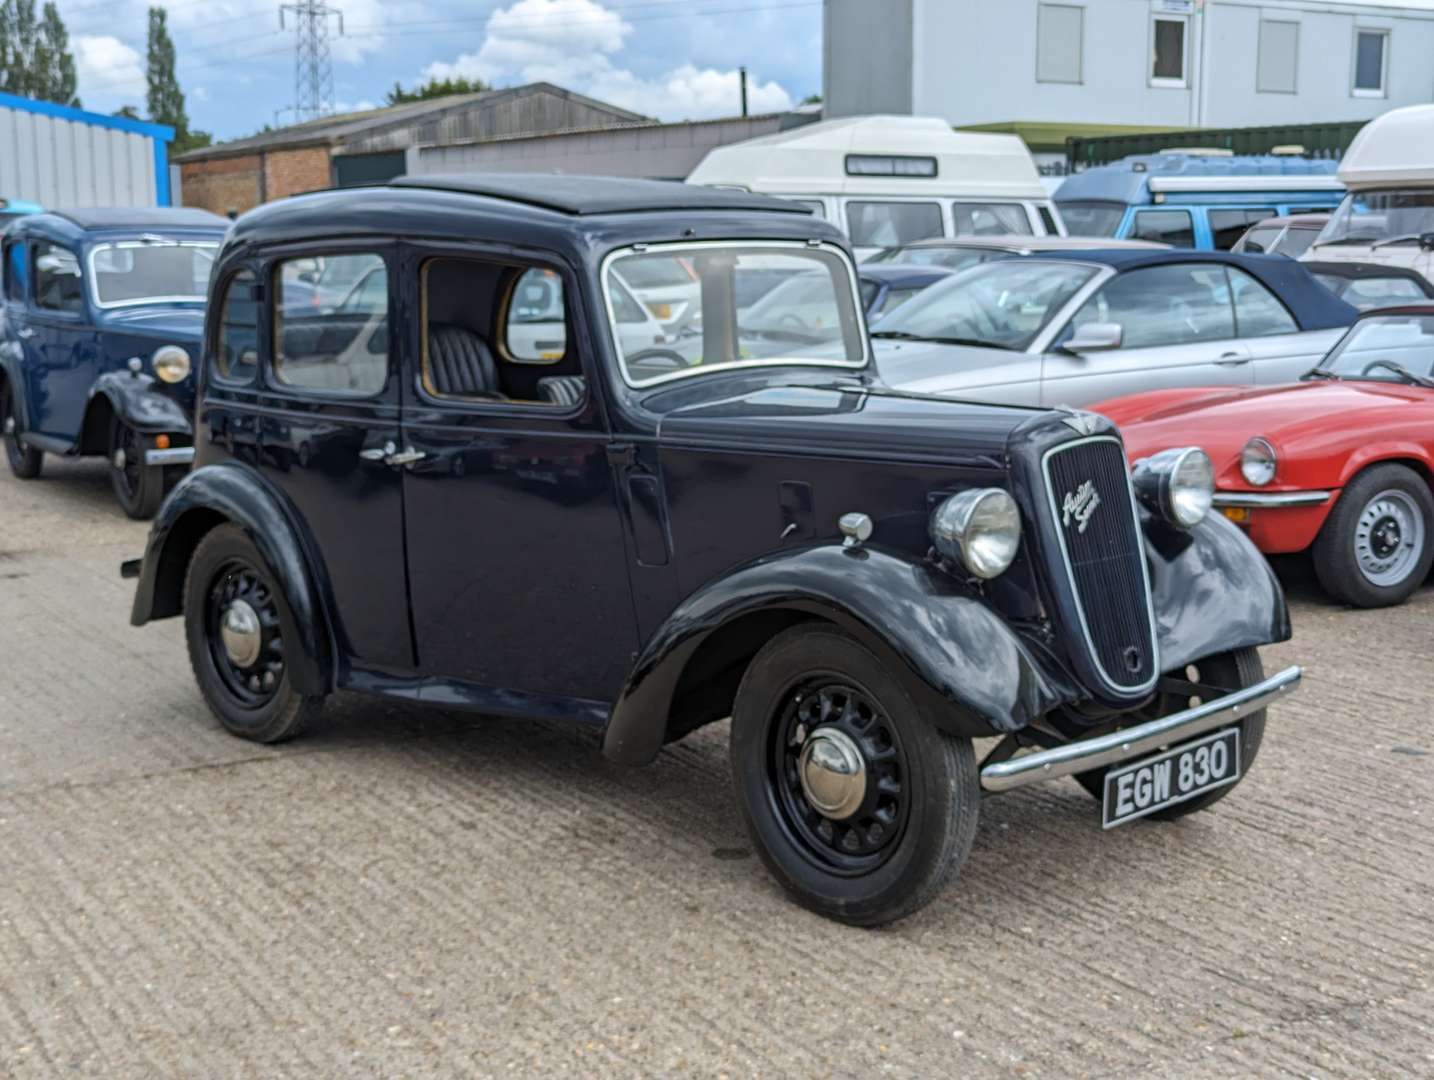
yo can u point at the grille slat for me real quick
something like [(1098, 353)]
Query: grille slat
[(1089, 486)]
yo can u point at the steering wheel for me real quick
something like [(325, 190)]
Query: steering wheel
[(668, 359)]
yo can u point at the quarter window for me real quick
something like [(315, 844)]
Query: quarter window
[(886, 224), (1172, 227), (1371, 60), (1164, 305), (1258, 312), (1167, 53), (237, 358), (57, 279), (319, 344), (537, 330)]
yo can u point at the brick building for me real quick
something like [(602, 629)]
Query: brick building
[(370, 147)]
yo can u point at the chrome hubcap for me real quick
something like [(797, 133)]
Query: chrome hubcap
[(1389, 538), (241, 633), (119, 459), (833, 773)]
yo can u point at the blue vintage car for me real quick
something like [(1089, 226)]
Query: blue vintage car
[(480, 483), (102, 316)]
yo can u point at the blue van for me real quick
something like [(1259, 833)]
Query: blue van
[(10, 209), (1193, 200)]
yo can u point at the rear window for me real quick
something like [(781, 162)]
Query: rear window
[(1227, 226), (886, 224)]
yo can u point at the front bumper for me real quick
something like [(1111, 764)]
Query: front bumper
[(1118, 746), (1270, 498), (174, 455)]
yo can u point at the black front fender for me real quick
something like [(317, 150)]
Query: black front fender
[(138, 400), (964, 666), (211, 496), (1213, 591)]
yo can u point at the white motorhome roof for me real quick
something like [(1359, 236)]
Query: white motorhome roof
[(811, 160), (1396, 148)]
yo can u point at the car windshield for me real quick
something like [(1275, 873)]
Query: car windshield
[(1389, 348), (659, 273), (150, 271), (807, 312), (1092, 218), (950, 256), (1001, 304), (1381, 217)]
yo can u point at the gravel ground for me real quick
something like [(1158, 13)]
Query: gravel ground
[(409, 893)]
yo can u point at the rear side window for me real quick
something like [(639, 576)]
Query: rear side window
[(1172, 227), (1165, 305), (237, 357), (57, 279), (330, 339), (990, 219), (1227, 226), (1258, 312), (886, 224)]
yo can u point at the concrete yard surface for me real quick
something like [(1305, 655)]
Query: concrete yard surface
[(408, 893)]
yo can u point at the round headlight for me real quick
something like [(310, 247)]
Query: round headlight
[(1179, 485), (979, 530), (170, 363), (1257, 462)]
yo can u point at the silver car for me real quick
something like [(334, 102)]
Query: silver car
[(1085, 326)]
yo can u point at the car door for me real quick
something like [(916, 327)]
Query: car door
[(517, 559), (61, 356), (1281, 352), (1178, 329)]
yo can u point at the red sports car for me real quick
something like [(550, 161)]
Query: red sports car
[(1339, 463)]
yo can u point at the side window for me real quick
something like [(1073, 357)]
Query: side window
[(15, 271), (1227, 226), (1258, 312), (1172, 227), (989, 219), (886, 224), (58, 286), (341, 348), (237, 357), (1164, 305)]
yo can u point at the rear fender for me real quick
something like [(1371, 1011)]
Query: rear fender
[(962, 664), (228, 493)]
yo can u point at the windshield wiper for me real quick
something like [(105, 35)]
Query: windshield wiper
[(1319, 373), (1402, 371), (1347, 240), (1406, 238), (978, 343)]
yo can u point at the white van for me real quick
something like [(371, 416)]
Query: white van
[(888, 180), (1388, 216)]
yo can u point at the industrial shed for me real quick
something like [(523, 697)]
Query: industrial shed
[(59, 156), (370, 147)]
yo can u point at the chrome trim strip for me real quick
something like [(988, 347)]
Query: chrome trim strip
[(1270, 498), (175, 455), (1123, 689), (1119, 746)]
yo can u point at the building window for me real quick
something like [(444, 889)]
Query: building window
[(1060, 42), (1278, 57), (1168, 34), (1371, 62)]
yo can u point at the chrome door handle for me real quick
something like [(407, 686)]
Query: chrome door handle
[(378, 453), (1233, 359), (405, 457)]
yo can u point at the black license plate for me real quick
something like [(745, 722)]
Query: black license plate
[(1153, 783)]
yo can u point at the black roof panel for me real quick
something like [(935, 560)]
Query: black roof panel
[(570, 194), (142, 217)]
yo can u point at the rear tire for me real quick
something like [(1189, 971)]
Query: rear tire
[(251, 695), (138, 487), (1378, 542), (25, 461), (812, 691)]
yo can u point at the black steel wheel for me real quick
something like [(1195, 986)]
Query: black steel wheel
[(25, 461), (857, 804), (138, 487), (1377, 545), (237, 621)]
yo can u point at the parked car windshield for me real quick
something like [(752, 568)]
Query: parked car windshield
[(951, 256), (1375, 217), (1372, 291), (1092, 218), (147, 271), (1001, 304), (807, 312), (1390, 348)]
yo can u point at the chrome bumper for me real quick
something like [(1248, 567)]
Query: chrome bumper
[(1078, 757), (175, 455), (1270, 498)]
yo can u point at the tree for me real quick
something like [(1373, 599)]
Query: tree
[(129, 112), (164, 97), (435, 88), (35, 57)]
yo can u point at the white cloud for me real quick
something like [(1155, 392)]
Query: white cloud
[(109, 69), (573, 42)]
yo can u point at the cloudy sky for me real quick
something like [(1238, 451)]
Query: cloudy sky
[(674, 59)]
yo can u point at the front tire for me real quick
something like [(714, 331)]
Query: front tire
[(138, 487), (859, 807), (1377, 545), (236, 623), (25, 461)]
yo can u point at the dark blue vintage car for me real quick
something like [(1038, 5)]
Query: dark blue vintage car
[(479, 482), (102, 314)]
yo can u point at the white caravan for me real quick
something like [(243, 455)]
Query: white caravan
[(1388, 216), (888, 180)]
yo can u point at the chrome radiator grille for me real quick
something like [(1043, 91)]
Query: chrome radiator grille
[(1104, 559)]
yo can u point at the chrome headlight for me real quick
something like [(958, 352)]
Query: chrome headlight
[(979, 530), (1257, 462), (1179, 485), (170, 363)]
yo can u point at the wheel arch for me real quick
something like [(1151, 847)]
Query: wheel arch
[(217, 495), (1408, 453), (134, 399)]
